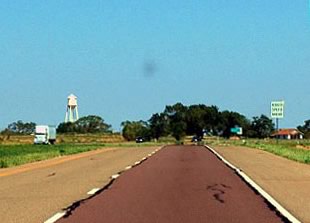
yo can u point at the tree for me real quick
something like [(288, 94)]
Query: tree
[(92, 124), (87, 124), (305, 128), (230, 119), (159, 125), (195, 119), (178, 127), (132, 130), (212, 119), (261, 127), (20, 127), (177, 120), (66, 127)]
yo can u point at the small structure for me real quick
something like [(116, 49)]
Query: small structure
[(72, 113), (288, 134)]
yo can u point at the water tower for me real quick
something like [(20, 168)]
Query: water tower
[(72, 113)]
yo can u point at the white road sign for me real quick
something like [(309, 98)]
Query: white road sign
[(277, 109)]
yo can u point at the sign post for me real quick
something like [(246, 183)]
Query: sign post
[(277, 111)]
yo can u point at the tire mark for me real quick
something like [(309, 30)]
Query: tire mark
[(218, 191)]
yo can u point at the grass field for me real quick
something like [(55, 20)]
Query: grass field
[(14, 155), (21, 151), (64, 138), (297, 150)]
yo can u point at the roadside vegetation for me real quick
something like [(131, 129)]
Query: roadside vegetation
[(297, 150), (179, 121), (14, 155), (70, 138), (175, 124), (176, 120)]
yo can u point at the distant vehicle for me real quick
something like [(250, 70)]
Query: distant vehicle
[(196, 139), (140, 139), (45, 134)]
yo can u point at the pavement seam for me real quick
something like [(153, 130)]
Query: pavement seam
[(256, 187), (68, 211)]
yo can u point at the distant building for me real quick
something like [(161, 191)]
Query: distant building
[(288, 134)]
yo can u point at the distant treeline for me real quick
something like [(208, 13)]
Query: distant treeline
[(176, 120), (179, 120), (87, 124)]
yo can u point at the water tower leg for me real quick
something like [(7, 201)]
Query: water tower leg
[(76, 113), (66, 118), (71, 115)]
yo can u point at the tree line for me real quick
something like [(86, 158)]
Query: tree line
[(175, 120), (87, 124), (179, 120)]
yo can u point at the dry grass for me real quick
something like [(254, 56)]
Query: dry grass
[(64, 138), (297, 150)]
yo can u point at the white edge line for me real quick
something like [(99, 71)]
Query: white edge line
[(128, 167), (263, 193), (56, 217), (93, 191), (59, 215), (115, 176)]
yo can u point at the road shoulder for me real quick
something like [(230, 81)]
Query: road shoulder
[(287, 181), (50, 162), (55, 185)]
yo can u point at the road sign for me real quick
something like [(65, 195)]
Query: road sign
[(277, 109), (236, 130)]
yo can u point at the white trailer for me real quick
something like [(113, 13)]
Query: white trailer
[(45, 134)]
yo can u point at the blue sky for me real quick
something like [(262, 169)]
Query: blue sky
[(126, 60)]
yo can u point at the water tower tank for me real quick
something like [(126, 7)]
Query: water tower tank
[(72, 100)]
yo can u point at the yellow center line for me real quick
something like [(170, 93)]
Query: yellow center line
[(52, 162)]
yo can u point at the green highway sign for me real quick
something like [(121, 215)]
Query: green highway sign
[(236, 130), (277, 109)]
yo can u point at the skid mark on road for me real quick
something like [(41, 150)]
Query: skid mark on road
[(218, 191), (51, 174)]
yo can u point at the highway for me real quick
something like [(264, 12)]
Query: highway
[(178, 184), (34, 192)]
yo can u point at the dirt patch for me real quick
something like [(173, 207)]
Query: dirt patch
[(303, 147)]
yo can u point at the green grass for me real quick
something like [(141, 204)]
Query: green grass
[(285, 148), (14, 155)]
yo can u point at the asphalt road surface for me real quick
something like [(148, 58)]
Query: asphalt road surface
[(286, 180), (178, 184), (34, 192)]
